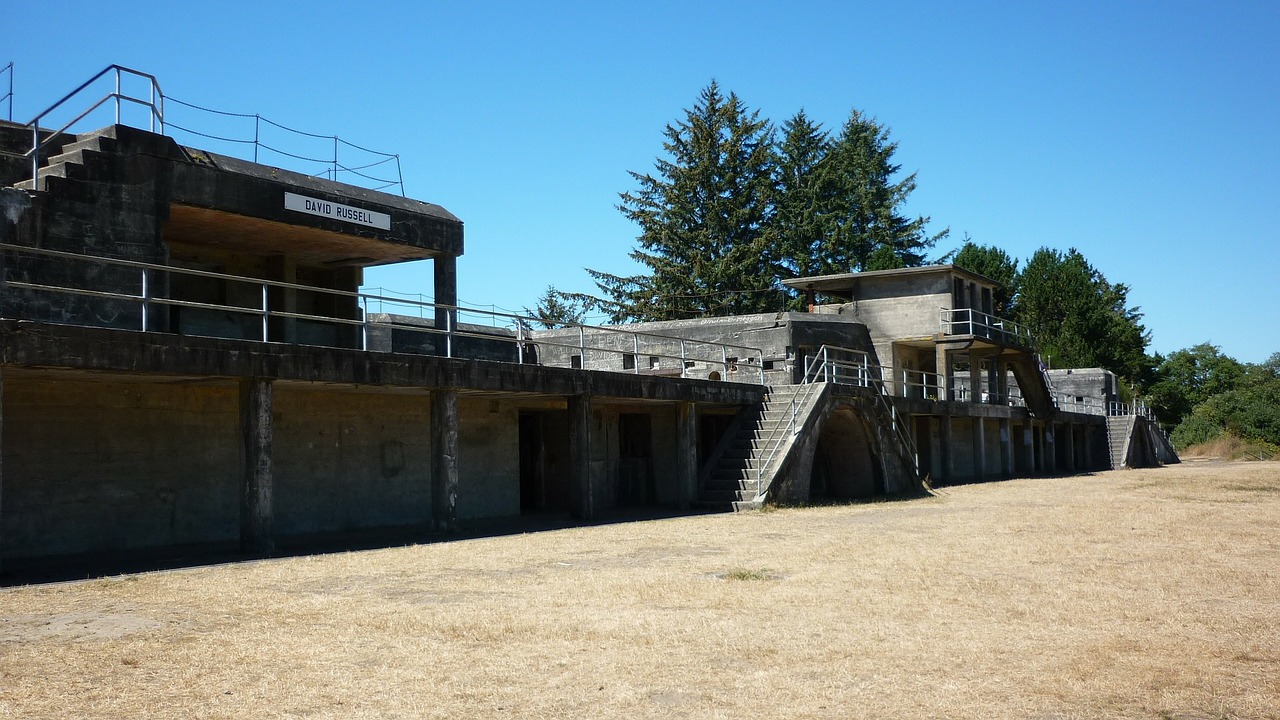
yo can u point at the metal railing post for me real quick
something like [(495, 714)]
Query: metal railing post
[(146, 298), (519, 342), (724, 360), (265, 312), (635, 352), (364, 323), (117, 96), (257, 122), (683, 360), (448, 334), (582, 347)]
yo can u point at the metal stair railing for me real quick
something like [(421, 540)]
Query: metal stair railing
[(838, 366), (8, 70), (154, 104), (341, 160)]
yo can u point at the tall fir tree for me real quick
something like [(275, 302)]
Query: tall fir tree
[(868, 231), (705, 218), (804, 202)]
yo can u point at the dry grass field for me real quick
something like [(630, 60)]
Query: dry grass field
[(1130, 594)]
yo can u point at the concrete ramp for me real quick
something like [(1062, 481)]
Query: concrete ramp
[(1036, 391)]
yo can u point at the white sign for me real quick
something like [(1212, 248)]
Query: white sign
[(337, 211)]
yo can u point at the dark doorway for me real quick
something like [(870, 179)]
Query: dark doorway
[(635, 460), (544, 453), (844, 464)]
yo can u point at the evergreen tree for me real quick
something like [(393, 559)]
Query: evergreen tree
[(705, 216), (557, 309), (867, 231), (805, 196), (1078, 318)]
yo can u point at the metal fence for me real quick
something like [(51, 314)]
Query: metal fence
[(967, 321)]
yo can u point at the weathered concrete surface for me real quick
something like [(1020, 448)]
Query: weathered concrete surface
[(41, 345), (444, 459), (103, 464), (257, 521)]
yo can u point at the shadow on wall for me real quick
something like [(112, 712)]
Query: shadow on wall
[(844, 465)]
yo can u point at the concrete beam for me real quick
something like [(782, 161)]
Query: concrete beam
[(257, 516), (581, 488), (444, 459), (686, 453)]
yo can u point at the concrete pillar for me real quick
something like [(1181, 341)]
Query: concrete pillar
[(1028, 447), (1071, 447), (284, 269), (446, 293), (942, 364), (581, 489), (996, 394), (444, 459), (975, 377), (1, 444), (944, 443), (1006, 448), (1050, 449), (979, 450), (686, 453), (257, 515)]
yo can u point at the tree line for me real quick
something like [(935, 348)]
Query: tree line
[(737, 204)]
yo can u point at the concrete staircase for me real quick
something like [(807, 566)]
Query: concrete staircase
[(732, 481), (1119, 430), (71, 158)]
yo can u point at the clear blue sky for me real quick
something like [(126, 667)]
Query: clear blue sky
[(1145, 134)]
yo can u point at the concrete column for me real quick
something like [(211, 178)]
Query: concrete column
[(944, 442), (979, 450), (1006, 448), (581, 489), (1028, 447), (943, 365), (975, 377), (993, 381), (444, 459), (1050, 449), (1, 443), (686, 453), (257, 515), (1071, 447), (284, 269), (446, 293)]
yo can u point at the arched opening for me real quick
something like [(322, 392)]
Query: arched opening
[(845, 465)]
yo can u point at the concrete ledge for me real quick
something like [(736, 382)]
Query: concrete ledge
[(31, 344)]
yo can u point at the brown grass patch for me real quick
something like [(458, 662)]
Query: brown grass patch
[(1230, 447), (1131, 594)]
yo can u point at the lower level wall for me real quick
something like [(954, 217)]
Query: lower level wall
[(100, 465)]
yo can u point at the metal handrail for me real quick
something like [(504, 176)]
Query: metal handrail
[(452, 330), (8, 70), (980, 324), (157, 111), (930, 384), (155, 103), (828, 366)]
